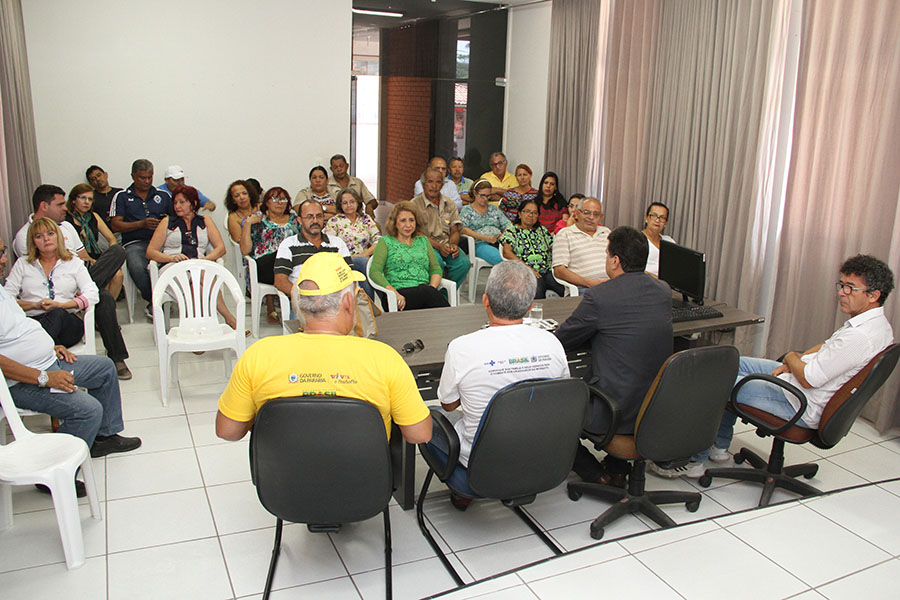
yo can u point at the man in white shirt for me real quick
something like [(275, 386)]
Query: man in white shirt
[(449, 187), (865, 283), (579, 253), (46, 378), (479, 364)]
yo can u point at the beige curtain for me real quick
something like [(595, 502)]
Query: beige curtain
[(842, 196), (21, 173), (575, 36), (692, 121)]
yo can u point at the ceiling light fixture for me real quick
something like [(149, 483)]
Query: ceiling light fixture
[(377, 13)]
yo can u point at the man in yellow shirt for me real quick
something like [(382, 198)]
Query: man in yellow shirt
[(324, 361), (501, 179)]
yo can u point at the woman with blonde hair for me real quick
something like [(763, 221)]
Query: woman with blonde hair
[(51, 285)]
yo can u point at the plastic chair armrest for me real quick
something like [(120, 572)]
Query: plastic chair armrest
[(443, 473), (615, 416), (735, 406)]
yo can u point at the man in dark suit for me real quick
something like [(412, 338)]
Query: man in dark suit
[(628, 322)]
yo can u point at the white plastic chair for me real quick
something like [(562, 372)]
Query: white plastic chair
[(450, 286), (52, 460), (257, 292), (571, 288), (130, 292), (195, 285), (477, 265), (88, 344)]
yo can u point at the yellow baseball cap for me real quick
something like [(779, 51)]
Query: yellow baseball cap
[(329, 271)]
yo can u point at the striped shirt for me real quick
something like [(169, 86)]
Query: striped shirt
[(294, 251), (580, 252)]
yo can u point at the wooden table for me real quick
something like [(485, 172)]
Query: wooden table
[(436, 327)]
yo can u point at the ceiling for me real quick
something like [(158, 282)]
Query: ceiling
[(414, 10)]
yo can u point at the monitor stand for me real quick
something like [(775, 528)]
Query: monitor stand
[(686, 302)]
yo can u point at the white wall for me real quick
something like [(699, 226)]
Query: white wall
[(226, 89), (527, 60)]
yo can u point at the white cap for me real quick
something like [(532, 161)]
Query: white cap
[(174, 172)]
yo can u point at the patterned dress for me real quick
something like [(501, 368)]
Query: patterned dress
[(492, 222), (533, 246), (359, 236), (512, 200), (267, 235)]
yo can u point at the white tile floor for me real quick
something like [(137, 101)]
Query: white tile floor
[(181, 520)]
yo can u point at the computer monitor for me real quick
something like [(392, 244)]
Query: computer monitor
[(683, 269)]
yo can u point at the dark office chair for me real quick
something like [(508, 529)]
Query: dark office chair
[(838, 416), (323, 462), (524, 445), (679, 418)]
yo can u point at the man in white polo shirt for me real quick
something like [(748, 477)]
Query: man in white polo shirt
[(479, 364), (579, 253)]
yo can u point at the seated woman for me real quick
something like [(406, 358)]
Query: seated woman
[(90, 227), (528, 241), (241, 201), (568, 220), (261, 234), (404, 261), (358, 230), (552, 202), (318, 191), (187, 235), (655, 220), (51, 284), (484, 222), (514, 197)]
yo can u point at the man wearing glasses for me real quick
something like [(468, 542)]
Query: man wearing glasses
[(864, 285), (501, 179), (579, 253)]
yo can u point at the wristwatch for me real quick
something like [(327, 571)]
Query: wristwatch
[(43, 379)]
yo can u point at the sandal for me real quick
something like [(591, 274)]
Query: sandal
[(273, 318)]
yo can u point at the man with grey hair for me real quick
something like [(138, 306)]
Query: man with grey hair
[(449, 188), (135, 212), (579, 252), (501, 179), (324, 360), (479, 364)]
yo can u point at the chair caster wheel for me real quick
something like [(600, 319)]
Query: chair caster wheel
[(574, 494), (739, 458), (810, 475), (704, 481), (597, 533), (692, 506)]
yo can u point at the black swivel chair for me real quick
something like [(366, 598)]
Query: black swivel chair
[(323, 462), (837, 417), (679, 418), (525, 445)]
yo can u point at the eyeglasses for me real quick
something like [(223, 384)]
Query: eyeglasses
[(498, 163), (656, 217), (84, 197), (280, 200), (315, 217), (529, 211), (846, 288), (592, 213), (483, 194), (50, 291)]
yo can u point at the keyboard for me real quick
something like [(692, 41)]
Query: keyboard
[(693, 313)]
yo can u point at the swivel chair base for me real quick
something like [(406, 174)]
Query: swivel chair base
[(632, 500), (772, 474)]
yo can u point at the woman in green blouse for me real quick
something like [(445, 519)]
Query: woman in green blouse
[(527, 241), (404, 262)]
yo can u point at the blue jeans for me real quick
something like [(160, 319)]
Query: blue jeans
[(84, 415), (456, 268), (359, 264), (138, 265), (487, 253), (758, 394)]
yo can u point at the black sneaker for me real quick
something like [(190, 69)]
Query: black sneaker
[(80, 490), (113, 443)]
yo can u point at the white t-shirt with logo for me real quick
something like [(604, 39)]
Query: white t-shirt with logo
[(480, 363)]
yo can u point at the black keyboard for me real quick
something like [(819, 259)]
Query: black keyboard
[(693, 313)]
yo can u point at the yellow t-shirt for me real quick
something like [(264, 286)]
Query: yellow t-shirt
[(323, 365), (509, 180)]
